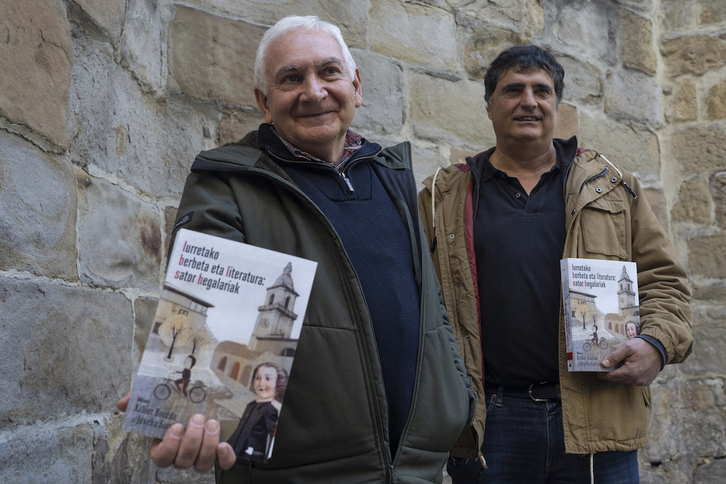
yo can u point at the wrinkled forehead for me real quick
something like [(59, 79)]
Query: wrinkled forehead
[(301, 47)]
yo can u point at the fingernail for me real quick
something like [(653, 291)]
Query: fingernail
[(197, 420), (605, 362), (212, 427), (177, 430)]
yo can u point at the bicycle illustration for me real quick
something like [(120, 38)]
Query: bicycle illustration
[(163, 391), (587, 345)]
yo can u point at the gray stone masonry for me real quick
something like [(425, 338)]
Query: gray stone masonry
[(105, 103)]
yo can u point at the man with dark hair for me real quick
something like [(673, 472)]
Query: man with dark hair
[(378, 391), (497, 227)]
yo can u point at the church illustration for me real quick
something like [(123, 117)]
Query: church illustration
[(271, 339)]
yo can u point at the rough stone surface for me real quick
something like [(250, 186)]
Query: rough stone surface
[(144, 311), (382, 84), (119, 238), (584, 27), (633, 147), (709, 340), (526, 16), (693, 54), (38, 222), (700, 149), (711, 473), (351, 16), (712, 11), (709, 293), (459, 116), (568, 124), (211, 56), (172, 475), (483, 45), (716, 102), (684, 105), (583, 81), (107, 14), (413, 33), (638, 42), (48, 455), (144, 42), (235, 124), (118, 129), (460, 155), (677, 14), (37, 56), (633, 95), (694, 203), (718, 194), (65, 350), (427, 160), (707, 256)]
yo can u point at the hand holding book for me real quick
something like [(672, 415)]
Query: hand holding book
[(641, 363)]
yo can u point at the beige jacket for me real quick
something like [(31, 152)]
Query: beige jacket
[(604, 220)]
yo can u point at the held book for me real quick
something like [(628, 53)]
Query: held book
[(600, 302), (222, 342)]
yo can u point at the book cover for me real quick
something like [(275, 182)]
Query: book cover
[(601, 309), (222, 342)]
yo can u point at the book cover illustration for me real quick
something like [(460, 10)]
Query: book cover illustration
[(601, 309), (222, 341)]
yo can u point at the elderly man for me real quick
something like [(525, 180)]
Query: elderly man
[(378, 392), (498, 227)]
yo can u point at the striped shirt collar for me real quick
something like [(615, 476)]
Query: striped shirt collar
[(353, 143)]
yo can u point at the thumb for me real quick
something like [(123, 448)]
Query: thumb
[(615, 357)]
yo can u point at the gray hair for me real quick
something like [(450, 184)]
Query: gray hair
[(287, 25)]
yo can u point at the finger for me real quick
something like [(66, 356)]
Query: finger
[(191, 442), (225, 455), (163, 452), (616, 356), (208, 453), (124, 402)]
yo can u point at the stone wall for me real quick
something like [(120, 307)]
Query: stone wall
[(104, 103)]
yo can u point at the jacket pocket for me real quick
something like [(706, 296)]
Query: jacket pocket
[(603, 228)]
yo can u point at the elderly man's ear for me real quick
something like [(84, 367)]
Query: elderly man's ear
[(262, 103)]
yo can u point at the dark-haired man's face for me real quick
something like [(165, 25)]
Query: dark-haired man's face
[(523, 107)]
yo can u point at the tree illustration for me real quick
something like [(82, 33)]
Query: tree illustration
[(174, 331), (199, 337), (583, 310)]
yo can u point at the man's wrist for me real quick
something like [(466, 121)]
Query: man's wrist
[(659, 346)]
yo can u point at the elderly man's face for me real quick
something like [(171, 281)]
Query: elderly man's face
[(311, 97)]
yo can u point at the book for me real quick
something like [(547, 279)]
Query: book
[(600, 302), (222, 342)]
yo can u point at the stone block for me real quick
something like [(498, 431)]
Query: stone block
[(235, 124), (107, 14), (711, 11), (584, 27), (213, 57), (48, 455), (143, 44), (583, 81), (707, 256), (684, 104), (483, 45), (413, 33), (426, 159), (120, 132), (37, 57), (693, 54), (716, 102), (633, 95), (709, 293), (351, 16), (631, 146), (712, 472), (637, 42), (144, 312), (173, 475), (382, 83), (119, 238), (38, 225), (568, 124), (65, 350), (694, 203), (709, 338), (718, 194), (447, 111), (700, 149), (677, 14), (525, 16)]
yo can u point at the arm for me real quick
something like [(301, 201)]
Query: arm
[(665, 313)]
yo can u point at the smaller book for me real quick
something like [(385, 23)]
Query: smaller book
[(222, 342), (600, 302)]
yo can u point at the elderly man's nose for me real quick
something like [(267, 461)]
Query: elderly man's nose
[(313, 89)]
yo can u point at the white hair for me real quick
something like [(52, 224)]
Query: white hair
[(287, 25)]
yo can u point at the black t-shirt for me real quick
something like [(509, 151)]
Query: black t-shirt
[(519, 240)]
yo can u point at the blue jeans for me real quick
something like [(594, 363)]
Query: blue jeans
[(524, 443)]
